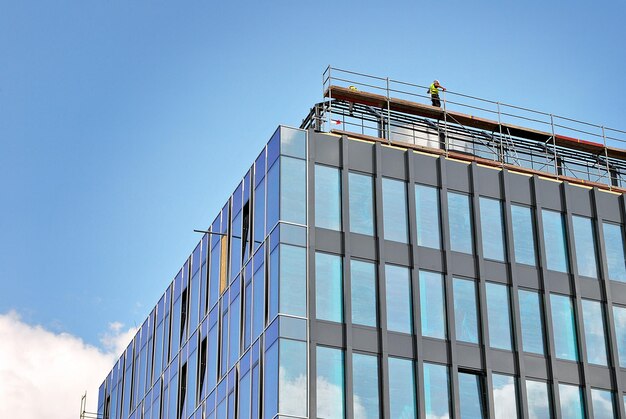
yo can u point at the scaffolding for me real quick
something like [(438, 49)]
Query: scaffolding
[(466, 126)]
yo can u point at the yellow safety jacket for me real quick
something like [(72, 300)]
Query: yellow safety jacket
[(433, 89)]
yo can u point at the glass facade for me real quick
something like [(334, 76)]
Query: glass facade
[(253, 324)]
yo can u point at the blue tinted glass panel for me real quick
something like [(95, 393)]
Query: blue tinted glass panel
[(270, 382), (293, 190), (330, 383), (328, 287), (401, 389), (595, 340), (234, 332), (491, 227), (398, 286), (571, 402), (427, 215), (460, 222), (327, 197), (554, 239), (293, 378), (244, 397), (585, 243), (504, 396), (471, 402), (214, 291), (395, 211), (365, 386), (432, 305), (531, 321), (614, 248), (619, 316), (361, 204), (602, 404), (292, 142), (436, 391), (259, 214), (292, 280), (274, 274), (363, 286), (564, 327), (247, 319), (258, 300), (465, 310), (538, 400), (212, 359), (498, 315), (523, 234), (273, 185)]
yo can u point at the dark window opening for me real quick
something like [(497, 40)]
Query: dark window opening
[(246, 245), (202, 367), (183, 315), (183, 390)]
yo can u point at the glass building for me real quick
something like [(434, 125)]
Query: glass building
[(349, 278)]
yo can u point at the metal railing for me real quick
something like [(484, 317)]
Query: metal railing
[(449, 134)]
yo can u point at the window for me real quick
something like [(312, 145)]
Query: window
[(258, 302), (619, 316), (330, 383), (259, 214), (328, 287), (327, 197), (365, 386), (427, 215), (602, 404), (595, 340), (432, 305), (554, 240), (361, 203), (504, 396), (498, 315), (465, 311), (398, 286), (460, 222), (436, 391), (394, 211), (292, 280), (401, 389), (571, 402), (270, 383), (363, 285), (491, 228), (585, 242), (531, 321), (234, 331), (538, 399), (523, 234), (614, 248), (292, 390), (471, 401), (564, 327), (292, 190)]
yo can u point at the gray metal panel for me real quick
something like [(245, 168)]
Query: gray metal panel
[(328, 333), (568, 372), (400, 345), (469, 356), (558, 282), (435, 351), (489, 182), (363, 247), (361, 156), (579, 200), (520, 188), (599, 376), (458, 175), (398, 253), (328, 240), (393, 163), (426, 169), (365, 339), (590, 288), (528, 276), (502, 361), (431, 259), (609, 206), (463, 264), (327, 150), (495, 271), (549, 194), (618, 292), (536, 367)]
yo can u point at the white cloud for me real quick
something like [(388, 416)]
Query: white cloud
[(44, 374)]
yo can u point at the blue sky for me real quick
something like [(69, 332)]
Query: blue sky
[(124, 125)]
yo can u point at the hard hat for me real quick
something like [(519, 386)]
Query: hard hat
[(436, 81)]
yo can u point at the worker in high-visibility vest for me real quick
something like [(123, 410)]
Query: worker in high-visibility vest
[(434, 92)]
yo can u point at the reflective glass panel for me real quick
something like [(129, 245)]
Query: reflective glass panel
[(471, 403), (401, 389), (614, 248), (585, 243), (361, 203), (498, 315), (538, 400), (398, 299), (273, 197), (602, 404), (328, 287), (432, 305), (292, 280), (491, 227), (460, 222), (395, 211), (595, 340), (571, 402), (292, 397), (427, 215), (523, 234), (330, 383), (244, 397), (270, 382), (531, 321), (436, 391), (363, 286), (564, 327), (465, 311), (554, 239), (365, 386), (292, 190), (504, 396), (327, 197), (619, 316), (259, 214)]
